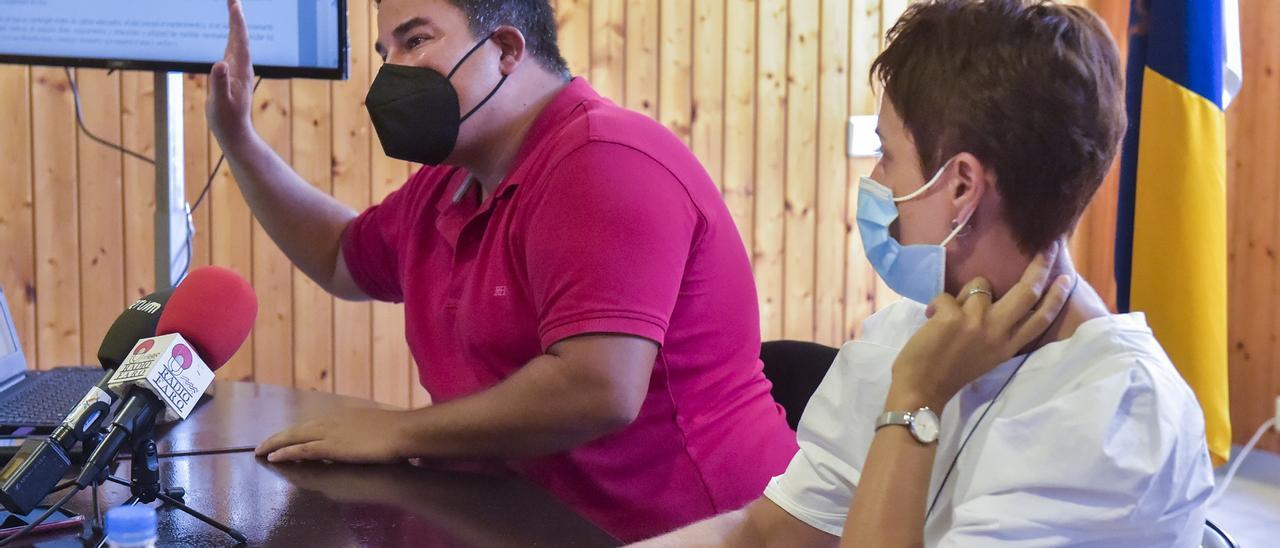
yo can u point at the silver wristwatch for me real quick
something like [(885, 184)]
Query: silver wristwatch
[(922, 423)]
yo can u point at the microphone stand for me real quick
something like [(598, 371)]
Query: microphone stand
[(144, 483)]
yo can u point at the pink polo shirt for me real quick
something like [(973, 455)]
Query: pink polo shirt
[(606, 223)]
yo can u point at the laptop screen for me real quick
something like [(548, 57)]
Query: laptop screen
[(11, 360)]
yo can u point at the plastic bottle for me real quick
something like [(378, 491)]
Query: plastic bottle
[(131, 527)]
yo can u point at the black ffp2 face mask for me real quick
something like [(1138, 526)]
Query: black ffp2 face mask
[(415, 110)]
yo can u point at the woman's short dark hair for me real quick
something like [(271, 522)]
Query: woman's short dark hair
[(1032, 89), (535, 19)]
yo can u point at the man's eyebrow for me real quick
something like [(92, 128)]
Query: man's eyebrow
[(404, 28), (399, 32)]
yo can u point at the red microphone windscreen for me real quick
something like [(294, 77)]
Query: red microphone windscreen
[(214, 309)]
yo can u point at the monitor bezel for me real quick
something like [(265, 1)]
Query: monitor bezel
[(265, 71)]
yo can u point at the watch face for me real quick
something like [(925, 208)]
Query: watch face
[(924, 425)]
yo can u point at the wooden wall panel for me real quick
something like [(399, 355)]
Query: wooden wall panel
[(17, 219), (101, 189), (740, 116), (272, 273), (771, 162), (137, 133), (352, 142), (759, 89), (831, 173), (860, 280), (573, 18), (640, 88), (800, 203), (608, 48), (198, 164), (57, 234), (1253, 134), (311, 137), (675, 67), (707, 111)]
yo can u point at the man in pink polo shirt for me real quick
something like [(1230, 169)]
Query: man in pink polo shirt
[(576, 295)]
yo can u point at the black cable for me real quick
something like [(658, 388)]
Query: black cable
[(196, 453), (1039, 341), (186, 247), (229, 450), (39, 520), (75, 94)]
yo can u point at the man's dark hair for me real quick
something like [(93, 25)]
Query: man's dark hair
[(1032, 89), (535, 19)]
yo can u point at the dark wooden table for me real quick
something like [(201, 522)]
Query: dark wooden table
[(313, 504)]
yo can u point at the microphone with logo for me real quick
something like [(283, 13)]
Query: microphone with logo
[(41, 462), (205, 321)]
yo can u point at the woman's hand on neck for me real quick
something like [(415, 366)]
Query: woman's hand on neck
[(1001, 261)]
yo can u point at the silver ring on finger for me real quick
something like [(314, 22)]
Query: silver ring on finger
[(981, 290)]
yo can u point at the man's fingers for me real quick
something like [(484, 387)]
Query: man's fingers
[(302, 433), (312, 450), (237, 53), (218, 82), (1043, 316)]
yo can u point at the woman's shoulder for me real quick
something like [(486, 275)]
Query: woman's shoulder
[(893, 325)]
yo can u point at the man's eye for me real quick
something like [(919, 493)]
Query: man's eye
[(415, 41)]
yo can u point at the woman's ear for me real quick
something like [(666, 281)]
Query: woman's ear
[(511, 41), (972, 180)]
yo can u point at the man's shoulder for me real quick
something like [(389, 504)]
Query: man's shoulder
[(605, 134)]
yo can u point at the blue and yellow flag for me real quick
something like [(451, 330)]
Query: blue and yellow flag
[(1171, 231)]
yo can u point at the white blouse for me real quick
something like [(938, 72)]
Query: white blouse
[(1097, 441)]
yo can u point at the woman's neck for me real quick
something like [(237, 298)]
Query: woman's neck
[(1083, 304)]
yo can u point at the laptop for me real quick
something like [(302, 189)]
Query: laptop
[(32, 403)]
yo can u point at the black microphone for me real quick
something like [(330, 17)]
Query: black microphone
[(208, 318), (40, 463)]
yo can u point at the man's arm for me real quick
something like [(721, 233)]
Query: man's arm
[(581, 389), (762, 523), (306, 223)]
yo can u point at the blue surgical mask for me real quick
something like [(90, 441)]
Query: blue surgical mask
[(914, 271)]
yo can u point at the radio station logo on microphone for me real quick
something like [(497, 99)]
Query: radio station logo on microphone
[(144, 347), (170, 368), (171, 382)]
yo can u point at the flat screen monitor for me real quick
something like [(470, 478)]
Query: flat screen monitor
[(287, 38)]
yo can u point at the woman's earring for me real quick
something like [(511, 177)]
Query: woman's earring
[(968, 228)]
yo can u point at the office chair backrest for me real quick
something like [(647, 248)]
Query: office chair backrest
[(795, 368)]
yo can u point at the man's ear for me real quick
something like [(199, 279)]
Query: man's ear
[(970, 182), (511, 41)]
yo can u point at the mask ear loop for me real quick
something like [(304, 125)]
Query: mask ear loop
[(932, 180), (468, 54), (492, 92), (485, 100), (959, 227)]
